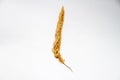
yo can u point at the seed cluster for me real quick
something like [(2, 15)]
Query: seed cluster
[(57, 42)]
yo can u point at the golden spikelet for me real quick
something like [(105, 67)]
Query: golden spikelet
[(57, 42)]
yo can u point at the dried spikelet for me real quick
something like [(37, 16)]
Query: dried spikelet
[(57, 42)]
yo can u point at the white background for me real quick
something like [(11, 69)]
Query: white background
[(90, 40)]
